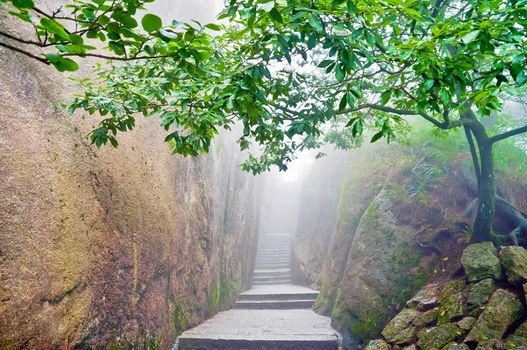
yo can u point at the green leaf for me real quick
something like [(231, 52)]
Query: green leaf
[(385, 97), (340, 74), (315, 22), (377, 136), (212, 26), (62, 63), (470, 37), (351, 99), (352, 9), (151, 23), (24, 4), (428, 84), (325, 63), (54, 28), (343, 102), (76, 39), (521, 78), (275, 15)]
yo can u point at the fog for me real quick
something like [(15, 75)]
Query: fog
[(281, 196)]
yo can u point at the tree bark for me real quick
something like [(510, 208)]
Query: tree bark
[(482, 230)]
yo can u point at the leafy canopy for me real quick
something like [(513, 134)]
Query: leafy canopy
[(297, 74)]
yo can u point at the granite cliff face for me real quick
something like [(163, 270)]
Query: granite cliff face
[(114, 247), (392, 226)]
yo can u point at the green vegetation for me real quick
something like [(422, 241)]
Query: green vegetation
[(180, 318), (298, 74), (214, 299)]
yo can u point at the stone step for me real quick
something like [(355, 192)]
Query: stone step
[(285, 264), (271, 278), (256, 329), (275, 249), (273, 255), (274, 304), (277, 255), (273, 260), (274, 266), (268, 267), (263, 273), (280, 296), (276, 281), (261, 344)]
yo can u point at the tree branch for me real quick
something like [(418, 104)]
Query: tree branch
[(508, 134), (441, 125), (43, 60), (23, 41)]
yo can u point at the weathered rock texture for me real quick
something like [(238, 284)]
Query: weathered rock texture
[(499, 322), (123, 247), (394, 227), (316, 219)]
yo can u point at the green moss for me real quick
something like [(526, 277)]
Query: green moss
[(229, 288), (151, 343), (180, 318), (114, 347), (214, 299), (404, 259), (360, 328), (327, 297)]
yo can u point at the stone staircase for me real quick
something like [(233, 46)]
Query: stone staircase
[(273, 315)]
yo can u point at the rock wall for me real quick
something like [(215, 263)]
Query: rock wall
[(119, 248), (395, 226), (482, 309)]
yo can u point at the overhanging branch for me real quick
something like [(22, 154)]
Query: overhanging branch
[(439, 124), (508, 134)]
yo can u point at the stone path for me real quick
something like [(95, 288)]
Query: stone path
[(273, 315)]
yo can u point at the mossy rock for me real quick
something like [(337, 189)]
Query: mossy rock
[(480, 292), (436, 338), (426, 318), (518, 337), (426, 298), (514, 260), (466, 323), (492, 344), (480, 262), (456, 346), (502, 310), (378, 344), (451, 288), (400, 329), (452, 308)]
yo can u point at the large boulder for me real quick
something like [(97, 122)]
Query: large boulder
[(382, 273), (426, 318), (480, 262), (400, 330), (518, 337), (480, 292), (452, 308), (503, 309), (426, 298), (378, 344), (436, 338), (514, 260)]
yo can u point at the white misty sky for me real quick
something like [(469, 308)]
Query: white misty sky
[(204, 11)]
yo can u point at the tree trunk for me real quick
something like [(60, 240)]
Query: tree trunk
[(482, 230)]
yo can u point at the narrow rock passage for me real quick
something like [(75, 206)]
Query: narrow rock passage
[(273, 315)]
